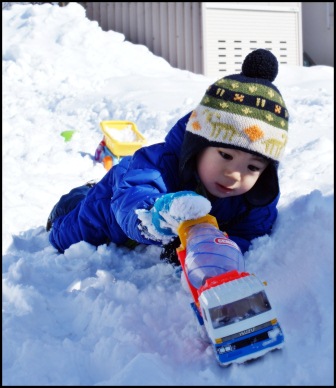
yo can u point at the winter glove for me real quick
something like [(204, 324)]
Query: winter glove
[(170, 210)]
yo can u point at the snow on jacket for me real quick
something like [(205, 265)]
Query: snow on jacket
[(107, 213)]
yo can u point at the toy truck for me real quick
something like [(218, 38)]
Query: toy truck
[(121, 138), (232, 306)]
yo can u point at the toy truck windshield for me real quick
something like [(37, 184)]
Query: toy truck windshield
[(239, 310)]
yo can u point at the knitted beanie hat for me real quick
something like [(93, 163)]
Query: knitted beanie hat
[(243, 111)]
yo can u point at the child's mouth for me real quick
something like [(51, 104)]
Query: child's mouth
[(223, 189)]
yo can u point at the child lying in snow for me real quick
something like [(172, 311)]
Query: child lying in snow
[(220, 159)]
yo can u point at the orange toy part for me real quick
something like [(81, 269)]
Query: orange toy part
[(108, 162)]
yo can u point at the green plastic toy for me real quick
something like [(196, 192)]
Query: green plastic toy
[(67, 135)]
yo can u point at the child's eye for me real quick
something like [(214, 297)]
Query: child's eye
[(253, 168), (225, 156)]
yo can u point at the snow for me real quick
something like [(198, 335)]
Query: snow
[(123, 134), (114, 316)]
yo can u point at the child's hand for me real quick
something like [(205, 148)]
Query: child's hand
[(171, 209)]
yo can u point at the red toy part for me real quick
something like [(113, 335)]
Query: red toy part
[(222, 278), (99, 154), (181, 253)]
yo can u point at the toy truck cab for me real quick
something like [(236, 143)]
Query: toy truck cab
[(238, 317)]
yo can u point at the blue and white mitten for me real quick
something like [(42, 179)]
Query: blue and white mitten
[(168, 211)]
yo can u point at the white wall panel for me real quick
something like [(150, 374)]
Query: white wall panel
[(229, 34)]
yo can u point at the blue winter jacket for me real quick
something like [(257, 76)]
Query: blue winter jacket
[(107, 213)]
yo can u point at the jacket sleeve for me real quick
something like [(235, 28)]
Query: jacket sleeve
[(151, 173), (146, 179)]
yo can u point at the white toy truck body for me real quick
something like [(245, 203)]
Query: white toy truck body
[(239, 319)]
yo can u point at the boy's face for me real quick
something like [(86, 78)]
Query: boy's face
[(227, 172)]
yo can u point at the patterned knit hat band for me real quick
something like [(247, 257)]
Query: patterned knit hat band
[(248, 99), (224, 128), (245, 110)]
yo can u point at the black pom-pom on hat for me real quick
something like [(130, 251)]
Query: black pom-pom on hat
[(260, 64)]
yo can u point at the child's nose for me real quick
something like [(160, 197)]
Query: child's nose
[(233, 175)]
